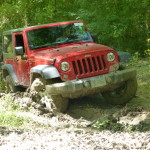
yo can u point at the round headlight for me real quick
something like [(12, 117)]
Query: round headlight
[(64, 66), (110, 57)]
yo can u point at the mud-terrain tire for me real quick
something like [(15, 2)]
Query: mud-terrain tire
[(10, 87), (123, 94), (60, 103)]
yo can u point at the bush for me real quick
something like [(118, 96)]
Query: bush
[(147, 53), (2, 84)]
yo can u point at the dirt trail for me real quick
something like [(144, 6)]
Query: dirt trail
[(84, 124)]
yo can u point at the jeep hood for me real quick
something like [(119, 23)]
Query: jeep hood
[(70, 50)]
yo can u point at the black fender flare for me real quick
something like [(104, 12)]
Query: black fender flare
[(9, 68), (125, 57), (46, 71)]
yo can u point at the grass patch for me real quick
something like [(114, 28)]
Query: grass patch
[(108, 125), (115, 127), (2, 84), (11, 119), (143, 76), (12, 115), (9, 116)]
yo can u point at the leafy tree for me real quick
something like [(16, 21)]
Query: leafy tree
[(121, 24)]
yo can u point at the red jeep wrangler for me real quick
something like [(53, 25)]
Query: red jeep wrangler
[(67, 60)]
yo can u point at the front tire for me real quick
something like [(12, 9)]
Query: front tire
[(123, 94), (60, 102)]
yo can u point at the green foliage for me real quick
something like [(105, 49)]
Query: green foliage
[(147, 53), (121, 24), (9, 116), (11, 120), (2, 84), (114, 126), (108, 125), (135, 57), (7, 104)]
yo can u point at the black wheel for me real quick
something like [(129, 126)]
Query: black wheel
[(10, 87), (60, 103), (123, 94)]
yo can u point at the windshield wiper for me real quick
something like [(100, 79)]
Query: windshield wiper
[(43, 46), (70, 41), (79, 41)]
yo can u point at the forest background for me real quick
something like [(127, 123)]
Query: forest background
[(121, 24)]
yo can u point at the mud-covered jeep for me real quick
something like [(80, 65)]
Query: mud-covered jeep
[(66, 59)]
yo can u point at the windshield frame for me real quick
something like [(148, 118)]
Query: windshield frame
[(57, 44)]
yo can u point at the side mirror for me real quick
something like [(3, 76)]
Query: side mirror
[(19, 50), (95, 38)]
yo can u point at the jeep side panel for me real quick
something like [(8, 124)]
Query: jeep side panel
[(19, 65)]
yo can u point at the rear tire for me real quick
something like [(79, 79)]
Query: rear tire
[(123, 94), (10, 87)]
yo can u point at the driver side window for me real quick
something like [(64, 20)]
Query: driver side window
[(19, 41)]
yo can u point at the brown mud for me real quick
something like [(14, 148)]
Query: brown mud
[(89, 122)]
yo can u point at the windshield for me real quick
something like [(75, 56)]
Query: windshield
[(57, 35)]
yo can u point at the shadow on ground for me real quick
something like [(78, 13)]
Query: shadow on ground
[(7, 131), (91, 108), (135, 114)]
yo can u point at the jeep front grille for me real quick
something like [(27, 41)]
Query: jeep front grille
[(89, 65)]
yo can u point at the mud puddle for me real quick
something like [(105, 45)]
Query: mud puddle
[(95, 109)]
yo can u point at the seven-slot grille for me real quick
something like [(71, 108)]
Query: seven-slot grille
[(89, 65)]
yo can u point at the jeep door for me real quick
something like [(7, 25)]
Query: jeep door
[(20, 61)]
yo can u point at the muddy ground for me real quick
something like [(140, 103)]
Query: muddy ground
[(89, 123)]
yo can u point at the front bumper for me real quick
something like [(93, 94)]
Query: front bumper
[(87, 86)]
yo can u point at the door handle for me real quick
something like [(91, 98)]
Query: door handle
[(24, 57), (16, 59)]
